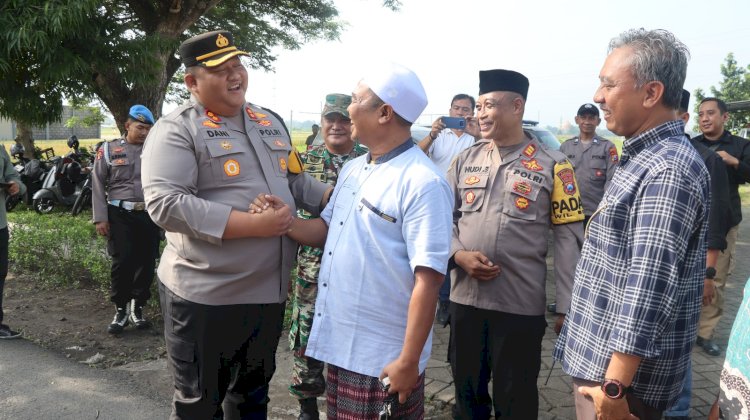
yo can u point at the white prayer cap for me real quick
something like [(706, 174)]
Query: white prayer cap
[(400, 88)]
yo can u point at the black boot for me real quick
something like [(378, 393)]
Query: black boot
[(308, 409), (120, 320), (136, 315)]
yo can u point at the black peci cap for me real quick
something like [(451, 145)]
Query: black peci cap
[(588, 109), (210, 49), (503, 80), (685, 100)]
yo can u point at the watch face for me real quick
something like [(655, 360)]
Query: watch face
[(612, 390)]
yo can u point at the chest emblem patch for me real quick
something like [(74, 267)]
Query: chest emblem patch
[(226, 145), (529, 151), (521, 187), (599, 173), (210, 124), (120, 161), (470, 197), (231, 167), (278, 143), (264, 123), (532, 165), (522, 203), (471, 180), (282, 164), (567, 178)]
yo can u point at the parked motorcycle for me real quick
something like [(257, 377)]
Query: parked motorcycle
[(32, 172), (64, 180)]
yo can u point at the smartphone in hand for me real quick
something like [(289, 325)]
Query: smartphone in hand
[(458, 123)]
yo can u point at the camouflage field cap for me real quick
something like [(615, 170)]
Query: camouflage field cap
[(337, 103)]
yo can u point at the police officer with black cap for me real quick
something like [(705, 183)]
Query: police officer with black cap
[(120, 214), (224, 273), (509, 191), (594, 158)]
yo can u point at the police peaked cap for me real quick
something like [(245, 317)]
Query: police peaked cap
[(210, 49), (503, 81), (588, 109)]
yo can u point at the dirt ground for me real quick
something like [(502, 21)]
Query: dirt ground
[(74, 322)]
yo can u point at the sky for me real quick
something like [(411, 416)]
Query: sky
[(559, 45)]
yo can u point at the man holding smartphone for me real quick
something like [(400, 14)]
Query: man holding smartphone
[(442, 144)]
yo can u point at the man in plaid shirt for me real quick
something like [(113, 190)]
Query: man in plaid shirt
[(638, 286)]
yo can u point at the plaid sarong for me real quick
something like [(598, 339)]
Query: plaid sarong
[(351, 396)]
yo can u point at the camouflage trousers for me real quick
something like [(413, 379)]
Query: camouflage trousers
[(307, 373)]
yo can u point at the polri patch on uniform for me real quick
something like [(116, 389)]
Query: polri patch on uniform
[(613, 154), (522, 203), (226, 145), (470, 197), (529, 151), (118, 162), (568, 179), (264, 123), (522, 187), (532, 165), (282, 164), (278, 143), (471, 180), (210, 124), (213, 117), (231, 167)]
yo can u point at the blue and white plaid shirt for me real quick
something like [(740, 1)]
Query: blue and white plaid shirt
[(639, 282)]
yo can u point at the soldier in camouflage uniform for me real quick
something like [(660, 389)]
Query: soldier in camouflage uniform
[(324, 163)]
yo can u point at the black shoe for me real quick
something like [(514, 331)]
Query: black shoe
[(7, 334), (119, 322), (443, 316), (136, 315), (308, 409), (552, 307), (711, 348)]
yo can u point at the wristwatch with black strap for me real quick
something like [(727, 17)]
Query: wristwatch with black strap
[(614, 389), (710, 273)]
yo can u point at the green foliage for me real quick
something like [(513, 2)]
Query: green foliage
[(735, 86), (125, 52), (60, 248), (88, 116)]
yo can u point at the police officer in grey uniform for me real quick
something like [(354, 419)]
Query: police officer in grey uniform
[(120, 214), (224, 273), (509, 190), (594, 158)]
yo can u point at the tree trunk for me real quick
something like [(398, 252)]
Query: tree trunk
[(25, 138)]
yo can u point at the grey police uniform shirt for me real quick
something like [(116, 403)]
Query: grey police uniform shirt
[(504, 208), (197, 168), (594, 165), (120, 179)]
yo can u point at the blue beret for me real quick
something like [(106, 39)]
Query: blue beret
[(141, 113)]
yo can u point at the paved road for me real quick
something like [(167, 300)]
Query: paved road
[(38, 384)]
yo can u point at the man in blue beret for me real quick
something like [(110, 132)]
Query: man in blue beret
[(120, 215)]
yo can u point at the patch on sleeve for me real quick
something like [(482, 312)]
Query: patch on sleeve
[(566, 201), (295, 165), (613, 154)]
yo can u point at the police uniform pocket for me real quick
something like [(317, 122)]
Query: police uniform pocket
[(520, 198), (471, 199), (279, 152), (184, 366), (121, 169), (598, 172), (228, 162)]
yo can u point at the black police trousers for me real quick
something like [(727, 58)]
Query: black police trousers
[(133, 246), (503, 347), (222, 357)]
